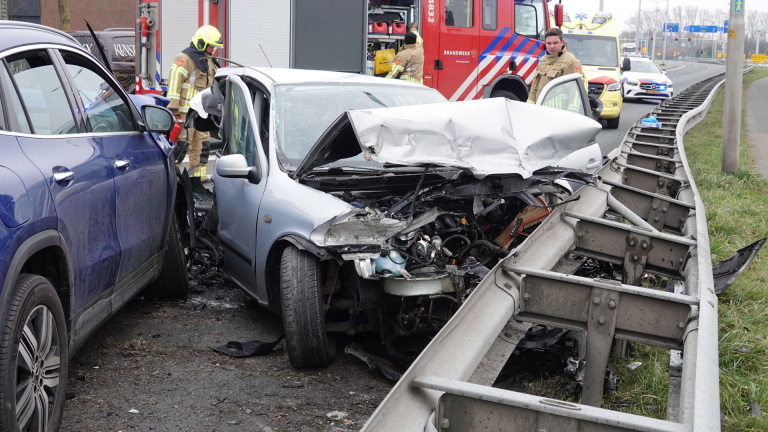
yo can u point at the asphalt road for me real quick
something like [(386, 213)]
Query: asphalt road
[(683, 75)]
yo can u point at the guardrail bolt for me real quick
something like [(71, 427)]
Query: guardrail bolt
[(632, 242), (445, 423), (644, 245), (612, 304), (595, 301), (601, 320), (635, 257)]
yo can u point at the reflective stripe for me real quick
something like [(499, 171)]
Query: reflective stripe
[(176, 76), (395, 70)]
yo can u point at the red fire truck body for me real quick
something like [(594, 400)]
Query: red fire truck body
[(473, 49)]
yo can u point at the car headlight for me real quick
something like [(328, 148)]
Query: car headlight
[(669, 86), (633, 82), (614, 86)]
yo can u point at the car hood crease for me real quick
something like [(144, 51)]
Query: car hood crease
[(522, 137)]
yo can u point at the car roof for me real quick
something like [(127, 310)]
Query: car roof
[(19, 33), (290, 76)]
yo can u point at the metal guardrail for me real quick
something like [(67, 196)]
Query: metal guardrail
[(644, 215)]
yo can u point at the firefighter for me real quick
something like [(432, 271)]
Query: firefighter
[(556, 63), (409, 62), (193, 71)]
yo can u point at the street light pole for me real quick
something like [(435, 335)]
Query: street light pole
[(637, 31), (666, 18)]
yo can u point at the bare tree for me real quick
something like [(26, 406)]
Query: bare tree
[(64, 14)]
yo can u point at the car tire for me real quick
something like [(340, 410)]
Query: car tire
[(34, 356), (308, 344), (173, 280), (613, 123), (505, 94)]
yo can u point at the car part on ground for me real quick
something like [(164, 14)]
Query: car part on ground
[(644, 217)]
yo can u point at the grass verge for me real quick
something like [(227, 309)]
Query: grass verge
[(737, 215)]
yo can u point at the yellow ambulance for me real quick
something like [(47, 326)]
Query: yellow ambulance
[(594, 40)]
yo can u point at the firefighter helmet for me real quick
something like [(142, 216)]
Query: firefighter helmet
[(206, 35)]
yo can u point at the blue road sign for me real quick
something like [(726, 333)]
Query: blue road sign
[(686, 28), (703, 29), (671, 27), (725, 26), (738, 6)]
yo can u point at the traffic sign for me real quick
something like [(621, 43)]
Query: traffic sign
[(671, 27), (703, 29), (725, 26)]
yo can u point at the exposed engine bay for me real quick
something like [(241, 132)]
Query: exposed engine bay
[(436, 241)]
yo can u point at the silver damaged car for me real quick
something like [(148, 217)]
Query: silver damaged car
[(352, 204)]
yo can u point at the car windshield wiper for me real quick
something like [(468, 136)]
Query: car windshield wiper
[(375, 99)]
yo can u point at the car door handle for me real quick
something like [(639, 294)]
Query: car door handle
[(63, 176), (121, 163), (594, 164)]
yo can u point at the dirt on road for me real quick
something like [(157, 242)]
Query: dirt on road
[(151, 368)]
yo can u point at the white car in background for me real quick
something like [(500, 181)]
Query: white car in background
[(645, 80)]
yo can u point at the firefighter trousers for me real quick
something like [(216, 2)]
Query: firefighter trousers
[(194, 138)]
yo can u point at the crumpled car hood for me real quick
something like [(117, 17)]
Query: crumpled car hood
[(486, 136)]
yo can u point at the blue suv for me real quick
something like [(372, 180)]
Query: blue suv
[(92, 211)]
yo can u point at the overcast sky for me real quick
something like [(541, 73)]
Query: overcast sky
[(624, 9)]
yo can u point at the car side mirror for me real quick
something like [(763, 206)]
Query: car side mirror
[(235, 166), (157, 119), (626, 65)]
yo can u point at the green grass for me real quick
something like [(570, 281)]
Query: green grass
[(737, 215)]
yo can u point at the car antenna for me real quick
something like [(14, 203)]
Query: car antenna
[(265, 55), (232, 61), (100, 48)]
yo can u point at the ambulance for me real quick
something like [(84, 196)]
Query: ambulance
[(594, 40)]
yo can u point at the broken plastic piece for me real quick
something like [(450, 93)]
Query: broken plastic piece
[(728, 270), (246, 349)]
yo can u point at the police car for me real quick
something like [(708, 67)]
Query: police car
[(645, 80)]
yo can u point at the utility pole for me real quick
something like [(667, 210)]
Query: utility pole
[(666, 19), (734, 77), (637, 32)]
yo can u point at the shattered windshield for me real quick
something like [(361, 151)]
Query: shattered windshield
[(304, 111)]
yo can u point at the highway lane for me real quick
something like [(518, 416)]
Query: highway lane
[(683, 74)]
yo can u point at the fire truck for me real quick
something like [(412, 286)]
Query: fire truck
[(472, 49)]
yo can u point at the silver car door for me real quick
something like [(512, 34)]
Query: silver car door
[(240, 180), (568, 93)]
